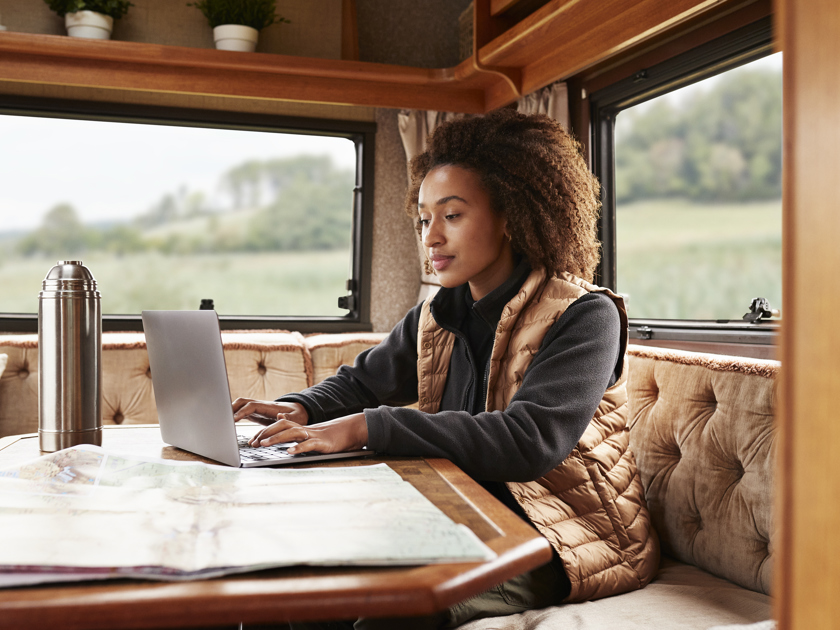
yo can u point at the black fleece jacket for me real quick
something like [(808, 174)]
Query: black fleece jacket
[(560, 391)]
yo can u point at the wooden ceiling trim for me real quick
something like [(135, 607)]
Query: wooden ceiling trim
[(699, 31), (566, 37), (557, 40)]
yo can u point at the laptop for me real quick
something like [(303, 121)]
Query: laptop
[(189, 378)]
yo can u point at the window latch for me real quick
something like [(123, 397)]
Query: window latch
[(348, 302), (760, 309), (644, 332)]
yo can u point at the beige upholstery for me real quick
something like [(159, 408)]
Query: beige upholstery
[(702, 430), (262, 365), (329, 352), (681, 597), (19, 386), (4, 358)]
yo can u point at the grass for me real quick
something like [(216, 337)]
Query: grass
[(681, 260), (299, 283)]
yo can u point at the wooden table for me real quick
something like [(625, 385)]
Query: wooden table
[(281, 595)]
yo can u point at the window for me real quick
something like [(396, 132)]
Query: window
[(689, 154), (262, 215)]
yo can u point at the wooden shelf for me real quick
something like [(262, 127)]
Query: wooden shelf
[(56, 60), (554, 42)]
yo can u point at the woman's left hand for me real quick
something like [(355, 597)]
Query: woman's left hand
[(348, 433)]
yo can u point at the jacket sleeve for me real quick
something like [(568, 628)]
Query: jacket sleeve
[(559, 394), (385, 374)]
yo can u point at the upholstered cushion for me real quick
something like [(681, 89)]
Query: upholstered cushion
[(330, 352), (19, 385), (702, 431), (4, 358), (260, 365), (681, 596)]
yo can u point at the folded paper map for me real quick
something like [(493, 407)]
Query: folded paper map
[(85, 513)]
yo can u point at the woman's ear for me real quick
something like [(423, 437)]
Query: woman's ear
[(506, 232)]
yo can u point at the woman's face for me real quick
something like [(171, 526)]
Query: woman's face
[(465, 240)]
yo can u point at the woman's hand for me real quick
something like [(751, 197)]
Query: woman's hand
[(348, 433), (266, 412)]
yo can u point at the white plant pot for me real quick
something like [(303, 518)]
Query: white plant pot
[(89, 24), (235, 37)]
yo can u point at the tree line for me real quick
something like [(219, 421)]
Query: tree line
[(308, 206), (723, 145)]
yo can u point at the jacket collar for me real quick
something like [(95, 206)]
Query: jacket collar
[(449, 307)]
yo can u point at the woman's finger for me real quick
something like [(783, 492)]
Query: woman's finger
[(312, 443), (241, 402), (277, 433), (259, 407)]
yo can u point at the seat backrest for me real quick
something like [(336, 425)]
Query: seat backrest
[(703, 434)]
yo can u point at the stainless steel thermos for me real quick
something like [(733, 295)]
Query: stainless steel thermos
[(70, 356)]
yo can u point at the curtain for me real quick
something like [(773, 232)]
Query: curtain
[(416, 125)]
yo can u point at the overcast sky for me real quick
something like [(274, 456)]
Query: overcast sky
[(118, 170)]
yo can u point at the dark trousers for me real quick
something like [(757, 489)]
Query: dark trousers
[(540, 588)]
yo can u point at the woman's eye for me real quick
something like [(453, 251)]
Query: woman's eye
[(423, 222), (452, 216)]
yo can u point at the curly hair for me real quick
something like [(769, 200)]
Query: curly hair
[(536, 178)]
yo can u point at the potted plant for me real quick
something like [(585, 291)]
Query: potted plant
[(237, 23), (93, 19)]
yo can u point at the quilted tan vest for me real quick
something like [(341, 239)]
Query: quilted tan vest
[(591, 507)]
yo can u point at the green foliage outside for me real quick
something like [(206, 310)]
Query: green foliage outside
[(310, 209), (115, 8), (723, 145), (254, 13)]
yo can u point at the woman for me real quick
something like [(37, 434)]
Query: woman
[(517, 363)]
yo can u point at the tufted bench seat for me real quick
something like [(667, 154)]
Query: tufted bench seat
[(262, 365), (701, 427), (703, 434)]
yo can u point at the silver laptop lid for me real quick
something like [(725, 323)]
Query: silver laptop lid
[(190, 383)]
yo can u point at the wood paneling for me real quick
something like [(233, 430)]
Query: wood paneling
[(566, 36), (808, 572), (691, 34)]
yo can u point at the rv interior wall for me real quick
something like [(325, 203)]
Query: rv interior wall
[(410, 33), (395, 269)]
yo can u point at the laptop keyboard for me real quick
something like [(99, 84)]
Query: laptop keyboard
[(248, 453)]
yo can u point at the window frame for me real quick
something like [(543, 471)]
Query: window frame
[(363, 135), (724, 53)]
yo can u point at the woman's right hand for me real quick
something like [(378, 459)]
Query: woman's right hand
[(267, 412)]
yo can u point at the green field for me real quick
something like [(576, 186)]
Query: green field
[(676, 259), (683, 260), (295, 283)]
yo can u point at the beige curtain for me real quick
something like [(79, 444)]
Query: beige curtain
[(416, 125)]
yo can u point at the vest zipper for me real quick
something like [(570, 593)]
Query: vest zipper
[(484, 387)]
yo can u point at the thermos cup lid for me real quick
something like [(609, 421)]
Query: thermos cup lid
[(69, 275)]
